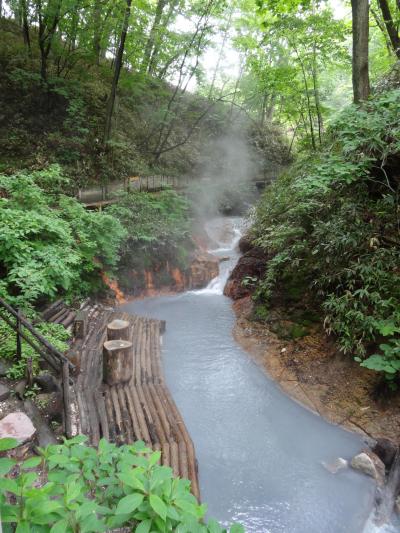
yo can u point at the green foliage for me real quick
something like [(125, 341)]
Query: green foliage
[(388, 361), (334, 220), (83, 489), (49, 244), (158, 228), (56, 334)]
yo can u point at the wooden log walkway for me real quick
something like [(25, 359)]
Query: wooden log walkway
[(143, 408)]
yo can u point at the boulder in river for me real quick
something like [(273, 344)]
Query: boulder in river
[(203, 268), (17, 426), (245, 243), (369, 464), (251, 265)]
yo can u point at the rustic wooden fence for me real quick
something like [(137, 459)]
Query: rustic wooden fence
[(105, 194), (56, 359)]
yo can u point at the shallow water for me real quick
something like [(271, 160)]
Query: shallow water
[(260, 454)]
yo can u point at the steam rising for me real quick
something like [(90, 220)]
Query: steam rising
[(228, 168)]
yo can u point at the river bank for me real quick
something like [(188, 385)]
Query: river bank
[(261, 456), (313, 372)]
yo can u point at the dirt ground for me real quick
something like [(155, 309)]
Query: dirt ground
[(313, 372)]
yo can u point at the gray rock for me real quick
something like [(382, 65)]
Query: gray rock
[(47, 383), (19, 388), (4, 368), (4, 392), (397, 505), (18, 426), (369, 464)]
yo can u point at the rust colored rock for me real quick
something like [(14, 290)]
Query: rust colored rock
[(245, 244), (203, 268), (250, 265)]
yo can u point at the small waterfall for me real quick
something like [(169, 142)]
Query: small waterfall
[(226, 232)]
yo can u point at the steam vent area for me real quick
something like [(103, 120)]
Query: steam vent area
[(120, 391)]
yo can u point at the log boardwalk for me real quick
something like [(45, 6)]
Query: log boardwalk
[(140, 409)]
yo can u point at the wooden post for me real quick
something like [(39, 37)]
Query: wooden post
[(66, 400), (117, 362), (80, 322), (19, 348), (118, 330)]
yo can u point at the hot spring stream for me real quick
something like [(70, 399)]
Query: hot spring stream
[(259, 452)]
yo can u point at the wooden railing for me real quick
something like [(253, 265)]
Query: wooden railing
[(56, 359), (104, 194)]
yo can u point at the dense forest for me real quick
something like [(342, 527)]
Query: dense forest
[(300, 98)]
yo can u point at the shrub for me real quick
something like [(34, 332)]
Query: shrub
[(158, 228), (335, 218), (55, 334), (83, 489), (49, 243)]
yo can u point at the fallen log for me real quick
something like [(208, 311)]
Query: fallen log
[(51, 310)]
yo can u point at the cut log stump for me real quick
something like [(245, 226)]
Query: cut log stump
[(117, 362), (118, 330)]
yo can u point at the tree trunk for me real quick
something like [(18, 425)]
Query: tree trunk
[(117, 72), (360, 12), (221, 52), (152, 36), (165, 20), (316, 94), (390, 26), (25, 24), (117, 362), (97, 30)]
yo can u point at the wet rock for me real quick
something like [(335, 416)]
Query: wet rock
[(203, 268), (4, 368), (385, 449), (336, 465), (397, 505), (47, 382), (4, 392), (251, 265), (245, 244), (369, 464), (18, 426)]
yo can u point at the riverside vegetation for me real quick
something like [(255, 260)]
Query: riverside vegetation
[(331, 227), (84, 489), (98, 91)]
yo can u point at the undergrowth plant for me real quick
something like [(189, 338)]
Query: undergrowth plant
[(82, 489), (158, 228), (55, 334), (335, 218), (49, 244)]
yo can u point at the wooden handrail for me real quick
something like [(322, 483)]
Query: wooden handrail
[(46, 350)]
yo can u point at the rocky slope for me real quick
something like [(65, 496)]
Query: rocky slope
[(306, 363)]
